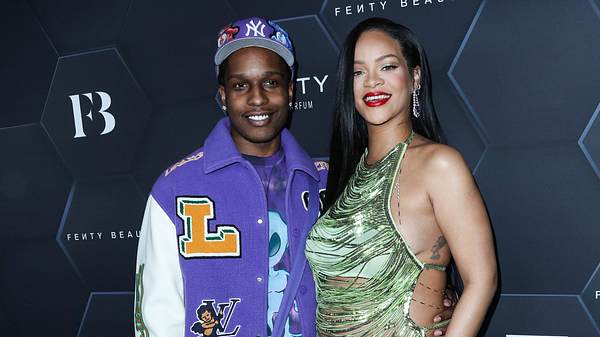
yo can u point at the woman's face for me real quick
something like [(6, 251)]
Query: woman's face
[(383, 84)]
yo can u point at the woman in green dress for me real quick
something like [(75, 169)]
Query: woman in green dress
[(400, 204)]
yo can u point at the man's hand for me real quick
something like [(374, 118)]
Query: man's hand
[(450, 300)]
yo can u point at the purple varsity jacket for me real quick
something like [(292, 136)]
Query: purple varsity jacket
[(202, 263)]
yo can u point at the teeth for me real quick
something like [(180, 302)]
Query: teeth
[(376, 98), (258, 117)]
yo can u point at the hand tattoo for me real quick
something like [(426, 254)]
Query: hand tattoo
[(435, 250)]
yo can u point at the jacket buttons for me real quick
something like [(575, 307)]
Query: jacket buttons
[(259, 221), (296, 232), (259, 279), (302, 290)]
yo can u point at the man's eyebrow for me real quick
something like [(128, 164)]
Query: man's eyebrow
[(274, 73), (379, 58), (238, 76)]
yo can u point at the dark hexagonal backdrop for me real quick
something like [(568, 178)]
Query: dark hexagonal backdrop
[(543, 316), (34, 185), (171, 47), (98, 98), (95, 113), (315, 83), (533, 162), (99, 231), (590, 141), (95, 322), (26, 64), (97, 24), (590, 296)]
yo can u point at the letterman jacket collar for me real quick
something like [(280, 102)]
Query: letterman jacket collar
[(220, 151)]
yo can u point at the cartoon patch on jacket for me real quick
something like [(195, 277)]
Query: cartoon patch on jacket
[(213, 323)]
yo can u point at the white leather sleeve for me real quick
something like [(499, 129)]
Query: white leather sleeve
[(159, 305)]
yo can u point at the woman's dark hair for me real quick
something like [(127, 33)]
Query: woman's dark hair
[(349, 137)]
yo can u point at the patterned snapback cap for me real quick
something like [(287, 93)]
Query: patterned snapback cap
[(254, 32)]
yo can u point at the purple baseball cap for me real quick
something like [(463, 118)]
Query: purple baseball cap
[(254, 32)]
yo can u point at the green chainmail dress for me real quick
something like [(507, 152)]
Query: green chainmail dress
[(364, 271)]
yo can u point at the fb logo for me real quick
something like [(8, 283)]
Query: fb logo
[(109, 119), (255, 27)]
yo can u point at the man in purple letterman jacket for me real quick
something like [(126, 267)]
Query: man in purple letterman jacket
[(221, 251)]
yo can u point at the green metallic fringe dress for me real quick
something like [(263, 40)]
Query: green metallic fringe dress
[(364, 271)]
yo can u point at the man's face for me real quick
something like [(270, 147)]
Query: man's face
[(256, 92)]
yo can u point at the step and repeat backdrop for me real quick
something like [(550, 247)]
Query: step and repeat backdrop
[(98, 97)]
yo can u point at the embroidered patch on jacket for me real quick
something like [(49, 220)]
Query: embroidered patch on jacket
[(197, 241), (321, 165), (214, 321), (183, 162), (304, 197), (140, 326)]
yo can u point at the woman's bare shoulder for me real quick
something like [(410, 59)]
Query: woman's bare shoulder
[(438, 157)]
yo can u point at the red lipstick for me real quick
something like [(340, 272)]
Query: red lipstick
[(376, 98)]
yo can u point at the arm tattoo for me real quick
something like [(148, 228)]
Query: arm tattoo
[(435, 250)]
